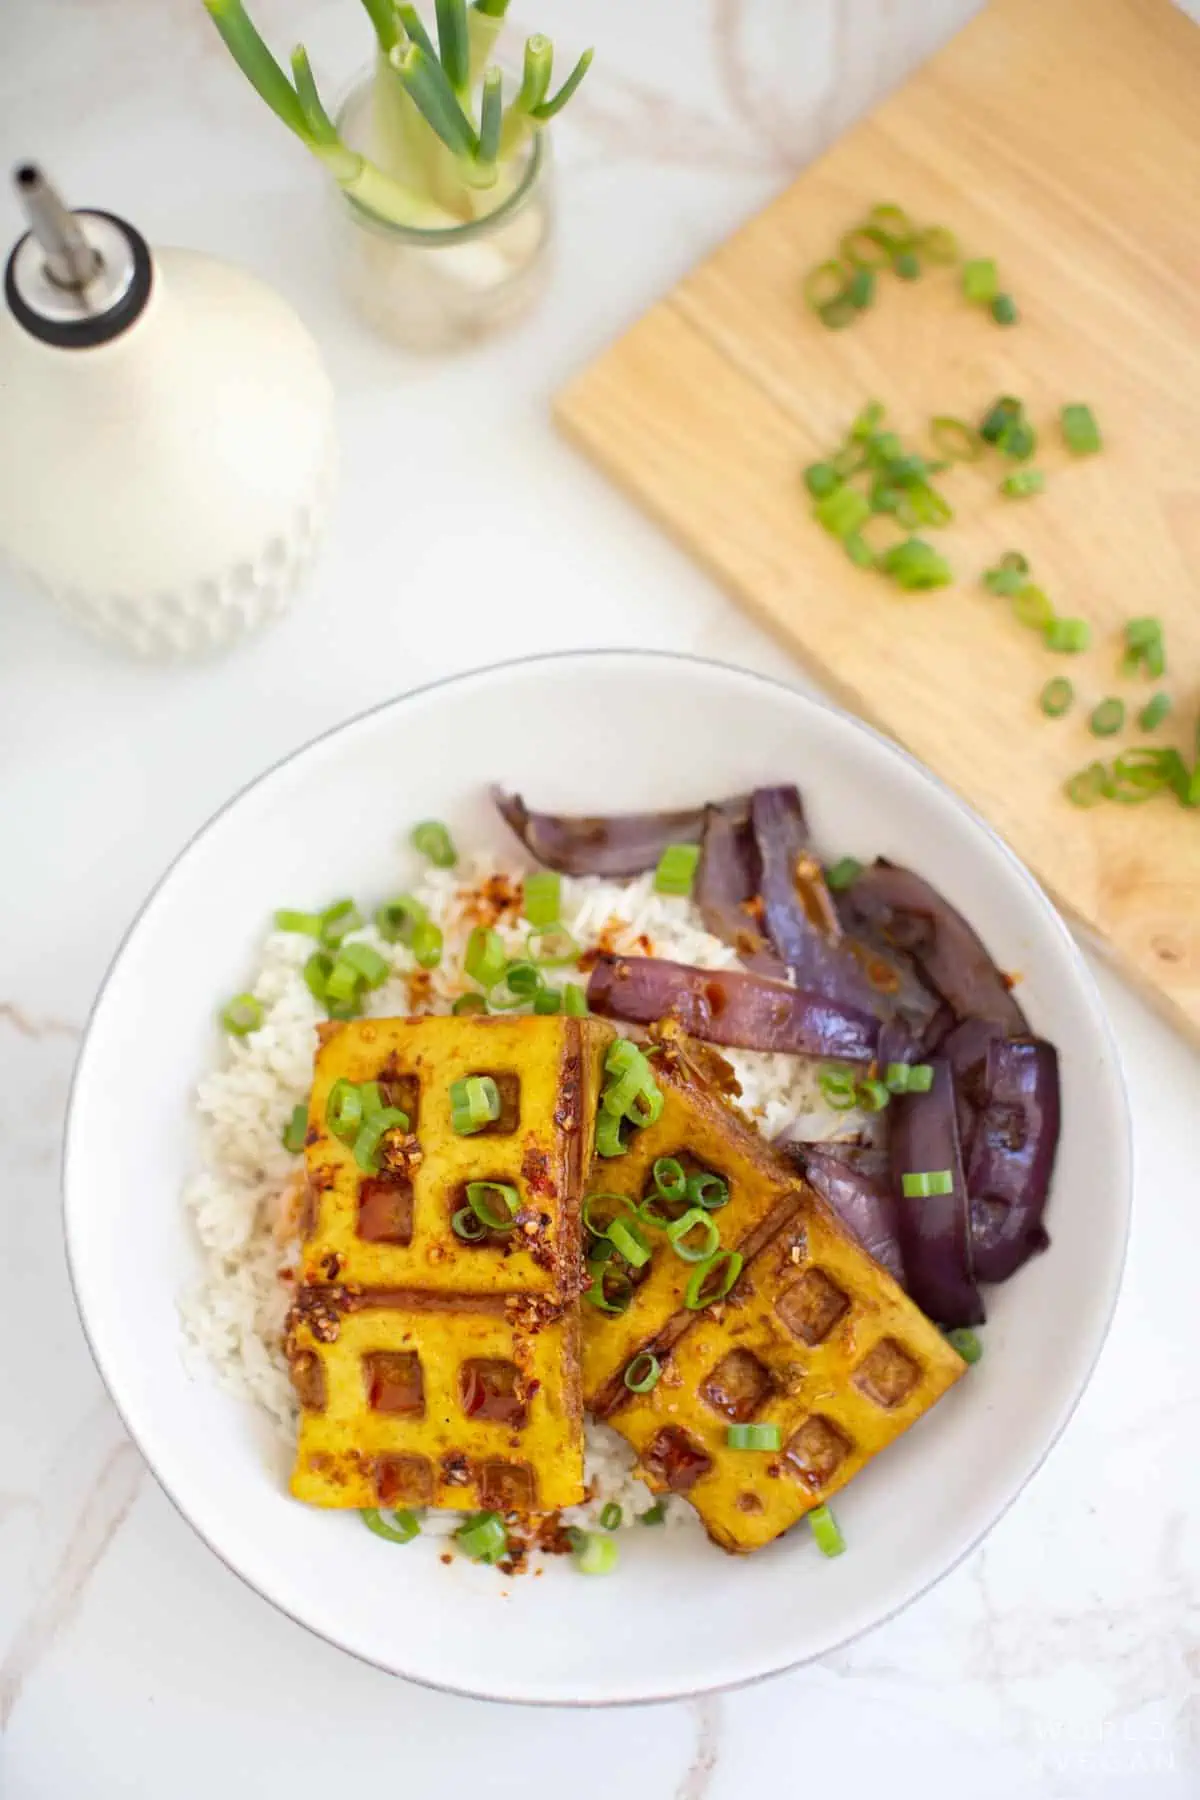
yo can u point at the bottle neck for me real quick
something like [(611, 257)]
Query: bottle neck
[(82, 317)]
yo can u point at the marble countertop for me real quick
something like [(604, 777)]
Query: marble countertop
[(1063, 1658)]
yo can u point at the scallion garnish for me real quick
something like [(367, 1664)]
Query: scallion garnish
[(317, 971), (1080, 430), (396, 919), (629, 1242), (242, 1014), (653, 1515), (547, 1002), (980, 280), (1009, 576), (485, 959), (338, 921), (426, 943), (295, 1132), (681, 1230), (1087, 787), (1022, 483), (843, 511), (1004, 310), (1144, 648), (474, 1103), (1107, 719), (611, 1135), (824, 285), (908, 1078), (574, 1000), (1067, 636), (712, 1280), (939, 244), (821, 480), (925, 1184), (343, 982), (670, 1178), (955, 438), (642, 1373), (596, 1224), (825, 1530), (860, 289), (837, 1087), (915, 566), (1056, 697), (594, 1555), (431, 839), (1154, 712), (468, 1004), (872, 1096), (611, 1516), (483, 1537), (370, 966), (753, 1437), (543, 897), (465, 1225), (965, 1341), (305, 923), (553, 947), (523, 979), (907, 265), (1033, 607), (497, 1214), (843, 874), (344, 1110), (707, 1190), (396, 1527), (372, 1133), (611, 1289)]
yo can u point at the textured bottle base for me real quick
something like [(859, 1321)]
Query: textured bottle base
[(212, 613)]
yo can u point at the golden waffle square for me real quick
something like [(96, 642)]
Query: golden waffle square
[(816, 1338), (431, 1371), (700, 1129)]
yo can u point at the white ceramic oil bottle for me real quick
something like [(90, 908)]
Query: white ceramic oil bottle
[(166, 433)]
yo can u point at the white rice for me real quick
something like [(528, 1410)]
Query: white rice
[(243, 1198)]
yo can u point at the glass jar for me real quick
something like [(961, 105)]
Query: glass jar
[(440, 289)]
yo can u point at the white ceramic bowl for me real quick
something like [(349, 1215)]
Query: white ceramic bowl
[(599, 732)]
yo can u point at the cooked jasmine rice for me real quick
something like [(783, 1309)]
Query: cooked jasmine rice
[(244, 1198)]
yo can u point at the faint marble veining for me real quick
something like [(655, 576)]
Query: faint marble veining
[(698, 1776), (27, 1025)]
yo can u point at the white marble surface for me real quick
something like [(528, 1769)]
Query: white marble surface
[(1063, 1659)]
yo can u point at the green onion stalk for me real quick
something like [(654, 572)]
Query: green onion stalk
[(448, 149)]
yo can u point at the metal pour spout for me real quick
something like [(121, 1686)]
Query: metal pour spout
[(71, 262)]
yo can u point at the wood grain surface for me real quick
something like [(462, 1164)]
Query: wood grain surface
[(1063, 138)]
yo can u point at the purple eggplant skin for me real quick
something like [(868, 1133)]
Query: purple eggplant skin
[(910, 915), (723, 1006), (935, 1233), (966, 1048), (1012, 1155), (726, 888), (856, 1185), (621, 845)]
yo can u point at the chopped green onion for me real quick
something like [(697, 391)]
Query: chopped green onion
[(338, 921), (878, 254), (372, 967), (916, 566), (708, 1190), (593, 1225), (242, 1015), (824, 285), (610, 1135), (1033, 607), (552, 947), (344, 1110), (1004, 310), (483, 1537), (485, 959), (955, 438), (1080, 430), (872, 1096), (965, 1341), (753, 1437), (858, 550), (295, 1132), (676, 869), (1087, 787), (836, 314), (543, 897), (523, 979), (681, 1229), (939, 244), (1107, 718), (907, 265), (497, 1215), (426, 943), (431, 839), (908, 1078), (826, 1532), (396, 919), (574, 999), (547, 1002), (372, 1134), (1022, 484), (837, 1087), (980, 280), (653, 1515), (893, 224), (865, 427), (467, 1004), (925, 1184), (843, 874), (317, 971), (670, 1178), (1070, 636), (642, 1373), (611, 1516), (629, 1242), (1056, 697), (306, 923), (371, 1095), (821, 480), (1154, 712), (611, 1289), (1145, 648), (344, 981), (474, 1103), (594, 1555), (465, 1225), (860, 289), (726, 1266), (1007, 582), (843, 511), (396, 1527)]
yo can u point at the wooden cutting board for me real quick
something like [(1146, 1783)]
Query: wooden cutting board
[(1063, 138)]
